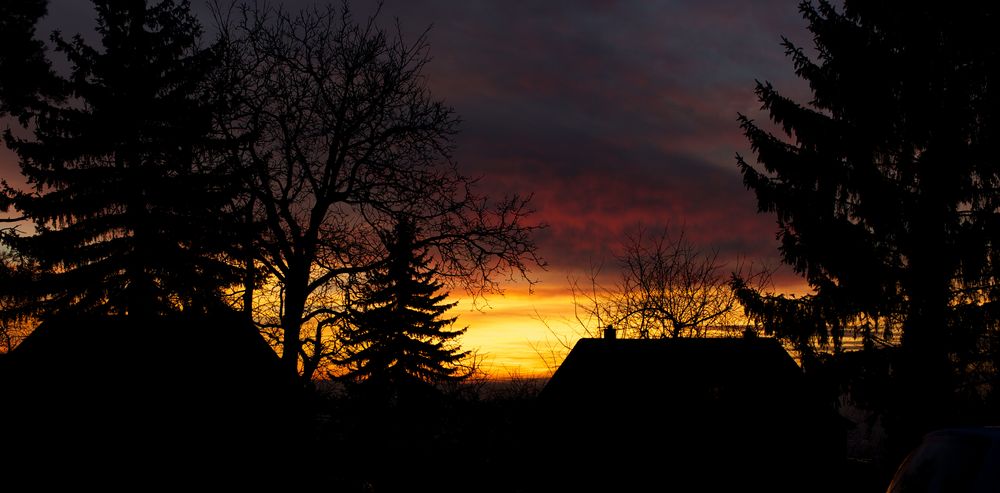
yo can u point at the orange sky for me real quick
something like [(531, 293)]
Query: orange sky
[(529, 334), (519, 333)]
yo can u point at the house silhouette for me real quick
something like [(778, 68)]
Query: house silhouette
[(167, 397), (706, 414)]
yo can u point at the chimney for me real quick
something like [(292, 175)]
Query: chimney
[(609, 333)]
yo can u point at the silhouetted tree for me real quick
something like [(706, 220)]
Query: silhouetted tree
[(343, 137), (25, 72), (398, 340), (126, 203), (884, 184), (814, 323), (667, 287)]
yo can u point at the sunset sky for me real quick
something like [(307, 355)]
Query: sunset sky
[(613, 114)]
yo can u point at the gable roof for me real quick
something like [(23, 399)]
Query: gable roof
[(624, 373)]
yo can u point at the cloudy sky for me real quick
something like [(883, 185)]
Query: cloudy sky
[(612, 113)]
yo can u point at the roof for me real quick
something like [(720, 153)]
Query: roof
[(635, 372), (198, 383)]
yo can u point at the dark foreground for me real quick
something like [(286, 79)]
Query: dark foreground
[(100, 403)]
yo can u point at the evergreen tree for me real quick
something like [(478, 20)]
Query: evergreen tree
[(884, 185), (24, 70), (399, 340), (126, 203)]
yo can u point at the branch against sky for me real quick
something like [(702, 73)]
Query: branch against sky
[(341, 139), (666, 287)]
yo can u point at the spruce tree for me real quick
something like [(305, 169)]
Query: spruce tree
[(127, 205), (884, 186), (25, 72), (398, 340)]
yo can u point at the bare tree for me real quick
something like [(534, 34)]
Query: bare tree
[(666, 287), (341, 138)]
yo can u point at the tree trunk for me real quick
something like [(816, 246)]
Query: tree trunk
[(249, 274), (290, 345), (249, 279), (296, 286), (310, 365), (923, 375)]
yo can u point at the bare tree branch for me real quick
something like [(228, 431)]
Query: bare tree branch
[(342, 140), (666, 287)]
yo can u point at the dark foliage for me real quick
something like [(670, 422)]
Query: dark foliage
[(884, 186), (126, 206), (398, 341), (25, 72), (451, 443)]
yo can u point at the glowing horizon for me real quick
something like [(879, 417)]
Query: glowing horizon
[(527, 334)]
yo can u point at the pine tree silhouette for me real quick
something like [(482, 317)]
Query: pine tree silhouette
[(883, 185), (125, 202), (399, 341)]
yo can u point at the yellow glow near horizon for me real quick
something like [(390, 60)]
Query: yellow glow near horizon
[(520, 333), (528, 334)]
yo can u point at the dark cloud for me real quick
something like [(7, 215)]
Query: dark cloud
[(612, 113)]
